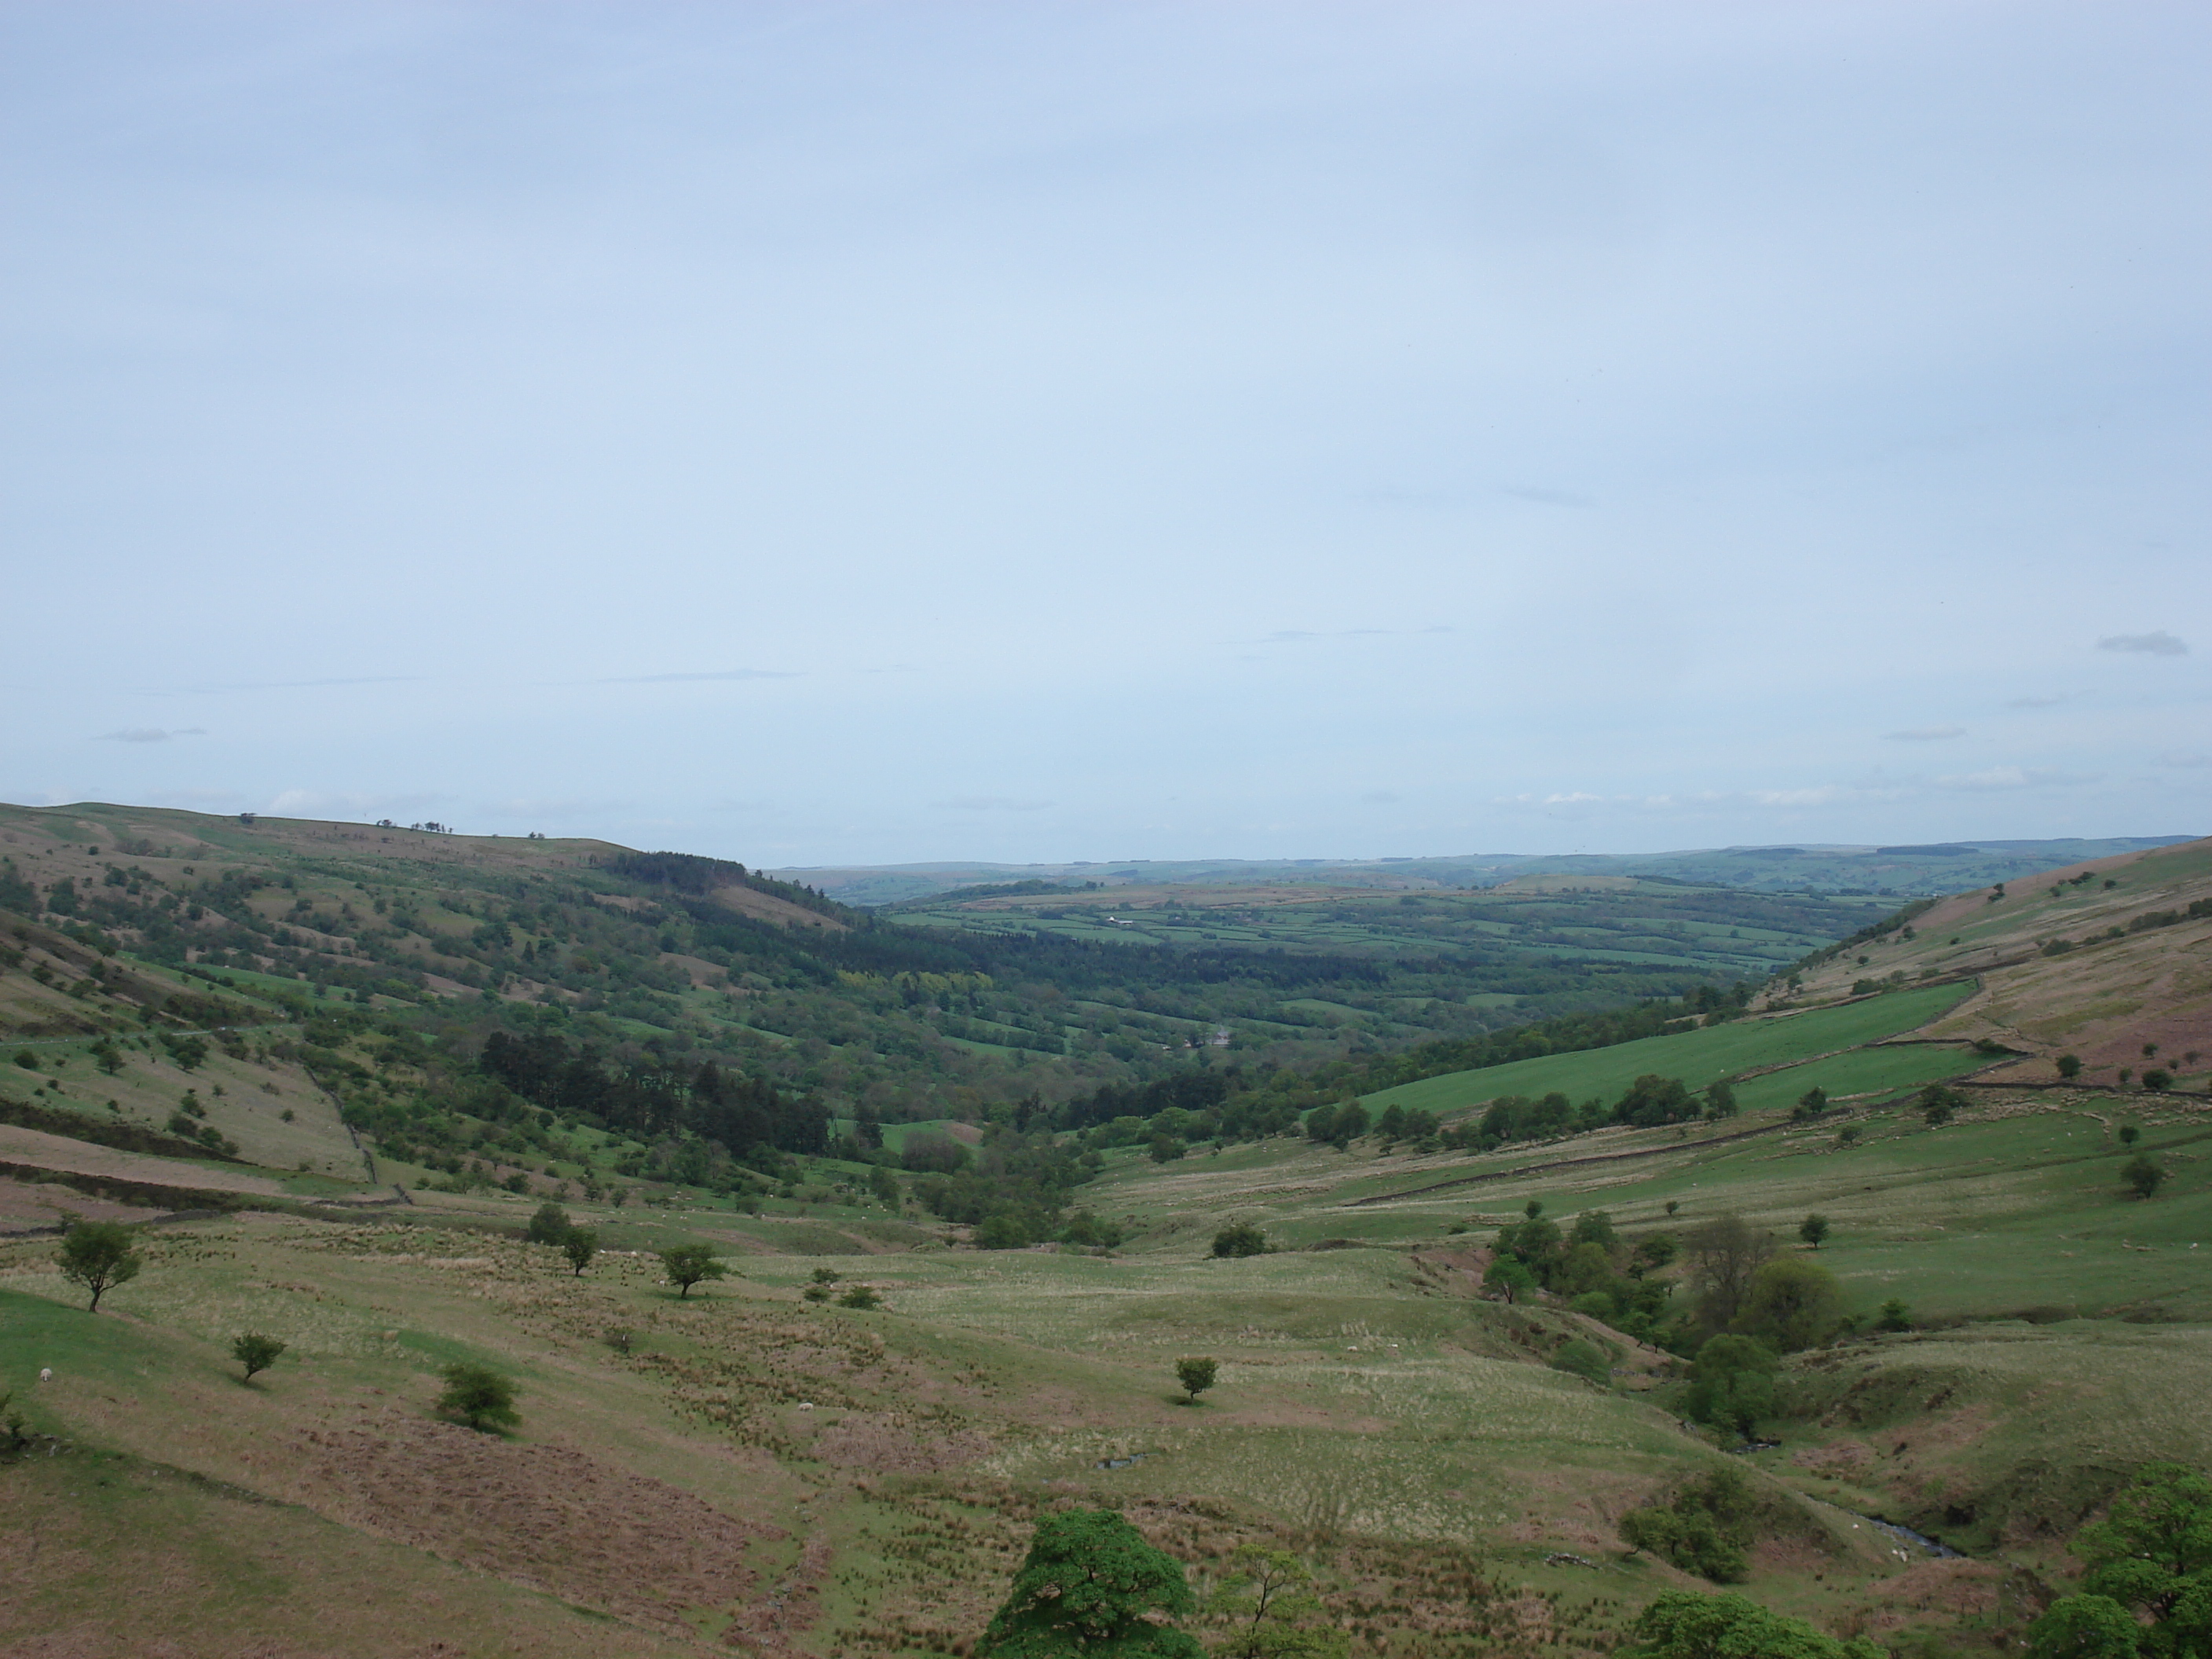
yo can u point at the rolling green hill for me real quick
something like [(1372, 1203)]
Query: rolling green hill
[(1881, 871)]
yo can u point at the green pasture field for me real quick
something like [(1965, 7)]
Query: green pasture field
[(1652, 926), (1698, 1057)]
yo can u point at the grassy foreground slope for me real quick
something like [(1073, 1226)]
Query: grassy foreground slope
[(762, 1472)]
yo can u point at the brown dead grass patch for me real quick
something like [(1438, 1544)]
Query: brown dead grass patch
[(542, 1517)]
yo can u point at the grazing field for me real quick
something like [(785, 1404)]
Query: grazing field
[(1697, 1058)]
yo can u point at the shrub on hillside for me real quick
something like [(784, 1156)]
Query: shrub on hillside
[(1792, 1305), (1703, 1528), (1732, 1384), (928, 1152), (1686, 1625), (2149, 1587), (2143, 1176), (1240, 1240), (1092, 1584), (1583, 1358), (478, 1396)]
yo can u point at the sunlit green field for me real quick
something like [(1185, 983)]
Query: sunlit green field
[(1697, 1057)]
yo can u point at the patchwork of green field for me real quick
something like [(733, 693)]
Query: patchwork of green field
[(1697, 1057), (1622, 923), (1877, 870)]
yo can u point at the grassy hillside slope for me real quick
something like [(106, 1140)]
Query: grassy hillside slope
[(695, 959), (745, 1468)]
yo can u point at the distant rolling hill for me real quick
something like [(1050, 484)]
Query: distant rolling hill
[(1902, 870), (2109, 959)]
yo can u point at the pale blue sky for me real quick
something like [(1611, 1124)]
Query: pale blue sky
[(822, 432)]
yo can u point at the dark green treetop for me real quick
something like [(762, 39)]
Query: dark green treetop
[(1084, 1589)]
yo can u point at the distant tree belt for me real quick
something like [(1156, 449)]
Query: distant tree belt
[(123, 1137), (1871, 932), (885, 949), (687, 873), (648, 1100), (1191, 1091)]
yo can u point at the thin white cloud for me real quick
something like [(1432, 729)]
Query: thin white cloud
[(1310, 636), (2039, 703), (319, 804), (721, 674), (150, 734), (2160, 644), (2015, 777), (531, 807), (195, 800), (990, 803), (2186, 758), (291, 685), (1825, 794), (1925, 734)]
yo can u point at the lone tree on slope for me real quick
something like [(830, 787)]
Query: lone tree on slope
[(689, 1264), (97, 1254), (256, 1352), (2145, 1177), (580, 1245), (1196, 1374)]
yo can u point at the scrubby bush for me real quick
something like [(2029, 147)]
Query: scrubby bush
[(1241, 1239), (1583, 1358), (479, 1396), (1792, 1305), (1686, 1624), (2149, 1558), (1732, 1383), (1702, 1530)]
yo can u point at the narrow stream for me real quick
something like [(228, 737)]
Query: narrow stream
[(1903, 1534)]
